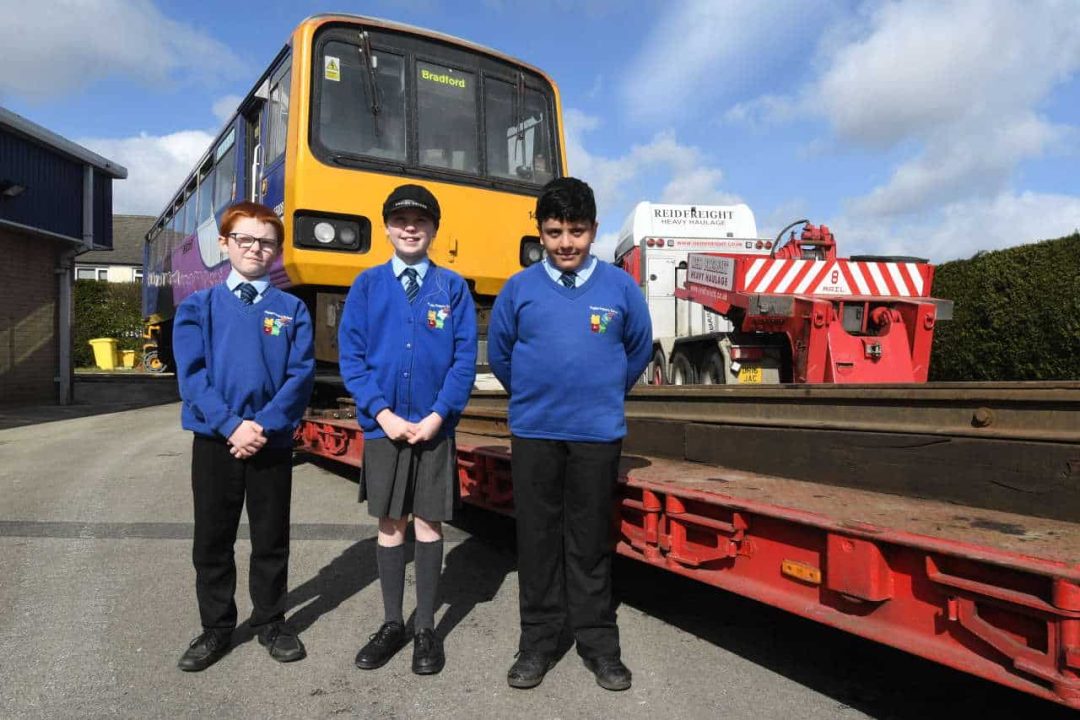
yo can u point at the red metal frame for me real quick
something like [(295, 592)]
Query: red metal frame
[(336, 439), (1010, 618)]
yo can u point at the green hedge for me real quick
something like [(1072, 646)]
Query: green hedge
[(106, 310), (1016, 317)]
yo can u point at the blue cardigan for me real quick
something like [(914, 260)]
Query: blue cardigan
[(239, 362), (568, 356), (414, 359)]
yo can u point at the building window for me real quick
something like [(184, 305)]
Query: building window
[(86, 272), (137, 275)]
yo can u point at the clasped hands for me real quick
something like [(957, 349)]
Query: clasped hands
[(247, 439), (398, 428)]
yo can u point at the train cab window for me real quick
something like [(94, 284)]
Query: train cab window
[(362, 102), (517, 128), (446, 118)]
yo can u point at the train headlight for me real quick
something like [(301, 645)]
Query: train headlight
[(343, 233), (531, 251), (324, 233)]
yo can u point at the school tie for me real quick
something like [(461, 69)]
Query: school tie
[(568, 279), (248, 293), (412, 286)]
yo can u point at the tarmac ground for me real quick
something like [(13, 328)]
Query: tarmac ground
[(97, 604)]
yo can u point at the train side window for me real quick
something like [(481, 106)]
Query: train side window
[(206, 196), (279, 116), (225, 172), (446, 117)]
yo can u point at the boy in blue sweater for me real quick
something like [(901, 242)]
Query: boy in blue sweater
[(568, 338), (245, 362), (407, 347)]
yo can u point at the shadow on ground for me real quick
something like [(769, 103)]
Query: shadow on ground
[(97, 394)]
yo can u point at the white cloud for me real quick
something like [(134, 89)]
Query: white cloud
[(662, 170), (52, 48), (952, 87), (702, 51), (927, 63), (960, 229), (958, 162), (156, 166), (682, 171), (224, 107)]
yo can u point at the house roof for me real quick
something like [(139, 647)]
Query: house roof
[(129, 235)]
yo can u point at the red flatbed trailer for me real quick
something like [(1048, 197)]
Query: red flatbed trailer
[(993, 594)]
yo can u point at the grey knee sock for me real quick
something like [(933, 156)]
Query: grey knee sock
[(428, 561), (391, 561)]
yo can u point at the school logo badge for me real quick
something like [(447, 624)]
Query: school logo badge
[(600, 317), (436, 316), (273, 322)]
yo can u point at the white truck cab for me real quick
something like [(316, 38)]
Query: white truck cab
[(653, 246)]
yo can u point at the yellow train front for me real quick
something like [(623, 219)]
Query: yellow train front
[(351, 108)]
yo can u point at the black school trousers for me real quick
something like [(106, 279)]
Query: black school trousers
[(563, 499), (220, 484)]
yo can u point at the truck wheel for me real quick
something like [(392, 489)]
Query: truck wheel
[(712, 369), (657, 372), (682, 370)]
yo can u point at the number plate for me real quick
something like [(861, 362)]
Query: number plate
[(750, 374)]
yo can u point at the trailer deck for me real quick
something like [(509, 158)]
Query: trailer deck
[(991, 593)]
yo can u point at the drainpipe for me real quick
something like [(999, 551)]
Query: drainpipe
[(65, 274)]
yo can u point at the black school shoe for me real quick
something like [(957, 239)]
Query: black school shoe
[(205, 650), (528, 670), (382, 646), (284, 644), (427, 656), (610, 672)]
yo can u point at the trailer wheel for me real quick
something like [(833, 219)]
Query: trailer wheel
[(712, 369), (682, 370), (657, 372)]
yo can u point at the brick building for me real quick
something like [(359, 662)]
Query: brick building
[(55, 203)]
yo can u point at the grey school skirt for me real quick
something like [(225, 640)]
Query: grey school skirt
[(400, 479)]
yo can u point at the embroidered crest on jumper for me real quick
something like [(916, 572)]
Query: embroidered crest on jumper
[(273, 322), (600, 317), (436, 316)]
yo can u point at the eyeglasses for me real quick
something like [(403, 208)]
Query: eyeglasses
[(245, 242)]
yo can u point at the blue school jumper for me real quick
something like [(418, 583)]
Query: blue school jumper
[(568, 356), (413, 358), (240, 362)]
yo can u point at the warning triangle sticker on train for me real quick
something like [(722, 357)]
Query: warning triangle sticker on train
[(832, 282)]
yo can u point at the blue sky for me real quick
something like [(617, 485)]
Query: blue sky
[(927, 127)]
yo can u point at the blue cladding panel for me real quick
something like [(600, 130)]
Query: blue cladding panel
[(52, 200), (103, 235)]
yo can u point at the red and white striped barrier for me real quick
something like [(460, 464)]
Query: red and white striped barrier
[(835, 277)]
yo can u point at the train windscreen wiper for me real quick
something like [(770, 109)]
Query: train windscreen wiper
[(370, 62)]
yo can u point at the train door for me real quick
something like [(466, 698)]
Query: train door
[(266, 122)]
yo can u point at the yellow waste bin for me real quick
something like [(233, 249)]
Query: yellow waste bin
[(104, 353), (128, 358)]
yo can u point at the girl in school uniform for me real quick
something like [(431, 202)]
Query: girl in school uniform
[(407, 344)]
